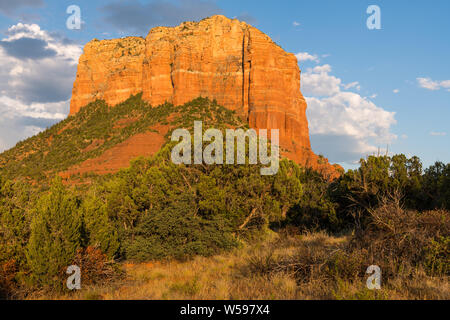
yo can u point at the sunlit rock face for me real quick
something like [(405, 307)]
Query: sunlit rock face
[(219, 58)]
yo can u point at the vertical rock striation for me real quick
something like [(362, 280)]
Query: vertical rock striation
[(222, 59)]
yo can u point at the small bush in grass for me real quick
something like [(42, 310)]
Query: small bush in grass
[(95, 267), (437, 256), (262, 263), (8, 283), (347, 265)]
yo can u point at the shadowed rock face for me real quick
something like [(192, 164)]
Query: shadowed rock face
[(222, 59)]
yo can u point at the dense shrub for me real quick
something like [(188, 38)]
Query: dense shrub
[(95, 267), (177, 233), (379, 176), (165, 210), (9, 286), (437, 256), (399, 239), (436, 186), (98, 229), (315, 210), (14, 222), (55, 236)]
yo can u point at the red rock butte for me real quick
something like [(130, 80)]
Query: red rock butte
[(219, 58)]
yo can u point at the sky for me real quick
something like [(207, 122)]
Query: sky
[(368, 90)]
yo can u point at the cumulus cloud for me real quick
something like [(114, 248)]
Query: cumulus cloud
[(318, 82), (344, 126), (20, 121), (134, 16), (350, 114), (428, 83), (37, 70), (305, 56), (65, 48), (27, 48)]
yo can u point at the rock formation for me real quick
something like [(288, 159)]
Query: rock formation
[(222, 59)]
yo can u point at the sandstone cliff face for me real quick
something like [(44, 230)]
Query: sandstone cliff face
[(218, 58)]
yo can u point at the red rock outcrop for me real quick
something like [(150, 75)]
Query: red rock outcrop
[(219, 58)]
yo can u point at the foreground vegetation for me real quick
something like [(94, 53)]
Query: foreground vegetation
[(283, 266), (248, 228)]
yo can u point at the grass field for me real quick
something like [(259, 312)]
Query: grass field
[(259, 271)]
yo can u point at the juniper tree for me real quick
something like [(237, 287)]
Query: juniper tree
[(14, 224), (99, 231), (55, 235)]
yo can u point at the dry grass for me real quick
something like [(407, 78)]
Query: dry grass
[(283, 267)]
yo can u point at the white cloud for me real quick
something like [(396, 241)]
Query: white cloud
[(305, 56), (354, 84), (344, 126), (373, 96), (64, 49), (20, 121), (12, 108), (428, 83), (34, 92), (296, 24), (320, 69), (317, 82), (396, 91), (445, 84), (438, 134), (350, 114)]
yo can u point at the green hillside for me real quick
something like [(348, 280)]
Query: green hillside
[(97, 128)]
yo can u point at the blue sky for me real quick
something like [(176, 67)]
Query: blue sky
[(366, 89)]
